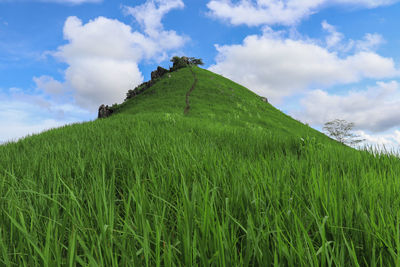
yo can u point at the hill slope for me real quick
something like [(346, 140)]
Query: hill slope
[(215, 100), (229, 183)]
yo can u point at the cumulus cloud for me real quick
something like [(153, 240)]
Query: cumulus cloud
[(149, 16), (376, 109), (284, 12), (103, 54), (276, 67)]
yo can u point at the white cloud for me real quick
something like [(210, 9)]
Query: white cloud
[(25, 114), (284, 12), (336, 40), (366, 3), (276, 67), (262, 12), (103, 54), (18, 129), (388, 140), (149, 14), (386, 143), (49, 85), (376, 109), (370, 42)]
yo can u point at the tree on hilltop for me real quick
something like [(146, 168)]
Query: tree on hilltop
[(182, 62), (178, 63), (195, 61)]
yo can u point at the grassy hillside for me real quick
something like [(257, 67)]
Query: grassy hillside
[(228, 184), (215, 100)]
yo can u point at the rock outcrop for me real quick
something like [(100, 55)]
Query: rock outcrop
[(158, 73), (104, 112)]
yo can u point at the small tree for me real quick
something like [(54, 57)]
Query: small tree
[(182, 62), (179, 62), (196, 61), (341, 131)]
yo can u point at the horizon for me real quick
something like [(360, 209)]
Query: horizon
[(314, 61)]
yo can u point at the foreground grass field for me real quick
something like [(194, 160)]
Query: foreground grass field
[(229, 184)]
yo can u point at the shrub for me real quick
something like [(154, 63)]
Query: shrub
[(179, 62), (182, 62), (195, 61)]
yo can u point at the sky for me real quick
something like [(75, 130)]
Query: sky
[(315, 60)]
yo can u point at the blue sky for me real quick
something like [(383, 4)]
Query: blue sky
[(315, 60)]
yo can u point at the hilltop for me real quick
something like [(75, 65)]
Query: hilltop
[(196, 170)]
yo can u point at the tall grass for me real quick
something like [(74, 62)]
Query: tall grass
[(158, 188)]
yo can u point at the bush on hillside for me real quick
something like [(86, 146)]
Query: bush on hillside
[(179, 63), (138, 90)]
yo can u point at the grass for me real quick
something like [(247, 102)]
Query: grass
[(229, 184)]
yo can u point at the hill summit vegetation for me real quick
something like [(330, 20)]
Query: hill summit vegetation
[(229, 181)]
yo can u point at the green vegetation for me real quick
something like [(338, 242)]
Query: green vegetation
[(235, 182), (183, 62), (137, 90), (178, 63)]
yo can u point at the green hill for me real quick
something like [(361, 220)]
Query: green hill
[(196, 171)]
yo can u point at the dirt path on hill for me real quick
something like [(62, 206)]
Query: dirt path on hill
[(188, 93)]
